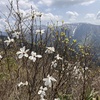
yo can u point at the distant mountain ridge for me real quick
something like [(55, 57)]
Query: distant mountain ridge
[(81, 31)]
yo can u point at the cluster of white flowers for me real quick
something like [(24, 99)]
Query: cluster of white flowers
[(77, 72), (39, 31), (58, 57), (33, 15), (36, 14), (16, 34), (42, 93), (23, 53), (22, 84), (50, 50), (9, 41), (48, 83), (54, 64)]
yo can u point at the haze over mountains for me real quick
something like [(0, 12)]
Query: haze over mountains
[(84, 31)]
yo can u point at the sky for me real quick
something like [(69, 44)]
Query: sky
[(70, 11)]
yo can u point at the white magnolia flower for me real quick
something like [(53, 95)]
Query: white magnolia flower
[(16, 35), (50, 50), (42, 91), (34, 56), (22, 84), (48, 80), (39, 31), (22, 52), (9, 41), (58, 57), (0, 57), (54, 64)]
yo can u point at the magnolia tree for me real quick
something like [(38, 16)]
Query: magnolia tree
[(43, 64)]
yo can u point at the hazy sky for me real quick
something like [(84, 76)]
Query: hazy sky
[(58, 10)]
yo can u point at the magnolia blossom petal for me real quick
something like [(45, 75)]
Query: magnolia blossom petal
[(27, 50), (45, 88), (20, 84), (38, 56), (23, 84), (47, 82), (0, 57), (8, 43), (31, 57), (22, 49), (34, 59), (26, 83), (41, 87), (12, 40), (53, 79), (33, 53), (20, 56), (39, 92), (26, 55), (19, 52)]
